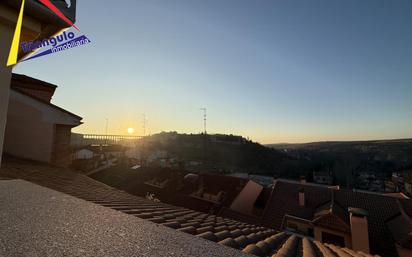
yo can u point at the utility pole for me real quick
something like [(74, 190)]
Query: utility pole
[(143, 154), (204, 136), (107, 126), (144, 120), (204, 119)]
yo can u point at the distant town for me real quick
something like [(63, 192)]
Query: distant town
[(375, 166)]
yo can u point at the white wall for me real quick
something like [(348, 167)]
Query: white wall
[(30, 127), (83, 154), (246, 199), (6, 32), (31, 28)]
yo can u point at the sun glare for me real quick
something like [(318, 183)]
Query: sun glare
[(130, 130)]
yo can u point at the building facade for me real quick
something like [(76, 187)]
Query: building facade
[(37, 129), (39, 22)]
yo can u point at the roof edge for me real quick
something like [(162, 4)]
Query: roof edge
[(49, 104)]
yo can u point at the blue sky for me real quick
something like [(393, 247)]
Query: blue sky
[(274, 71)]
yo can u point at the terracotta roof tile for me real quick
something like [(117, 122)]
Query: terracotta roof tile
[(230, 242), (258, 240), (289, 248), (307, 248), (284, 200)]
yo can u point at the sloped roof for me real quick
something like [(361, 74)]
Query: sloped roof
[(401, 228), (332, 215), (20, 80), (48, 104), (330, 220), (401, 224), (284, 200), (248, 238), (27, 85)]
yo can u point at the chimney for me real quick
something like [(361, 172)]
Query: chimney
[(302, 197), (359, 229)]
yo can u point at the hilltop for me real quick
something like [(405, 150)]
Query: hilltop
[(221, 153)]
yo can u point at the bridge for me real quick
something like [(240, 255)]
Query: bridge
[(88, 139)]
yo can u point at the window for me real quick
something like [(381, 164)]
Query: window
[(333, 239), (292, 226)]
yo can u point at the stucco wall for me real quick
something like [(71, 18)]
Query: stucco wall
[(6, 32), (318, 235), (83, 154), (28, 134), (360, 233), (30, 130), (246, 199), (301, 227), (61, 155), (30, 30)]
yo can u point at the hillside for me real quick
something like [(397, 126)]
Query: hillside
[(380, 157), (222, 153)]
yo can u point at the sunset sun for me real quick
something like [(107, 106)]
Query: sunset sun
[(130, 130)]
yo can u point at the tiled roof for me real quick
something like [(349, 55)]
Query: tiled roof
[(401, 228), (33, 87), (248, 238), (284, 200), (26, 81), (37, 89), (171, 186), (47, 103), (406, 206), (330, 220), (332, 215)]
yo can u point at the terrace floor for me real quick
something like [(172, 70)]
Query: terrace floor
[(37, 221), (69, 214)]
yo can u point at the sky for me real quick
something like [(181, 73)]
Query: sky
[(273, 71)]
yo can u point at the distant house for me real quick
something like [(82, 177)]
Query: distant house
[(83, 154), (228, 139), (227, 195), (90, 157), (408, 182), (408, 188), (102, 151), (157, 155), (113, 151), (367, 222), (37, 129), (322, 178)]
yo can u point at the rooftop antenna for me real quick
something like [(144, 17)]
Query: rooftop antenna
[(204, 118)]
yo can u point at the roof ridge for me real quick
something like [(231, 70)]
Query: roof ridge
[(46, 103), (403, 212), (19, 77)]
